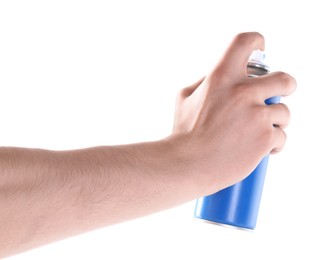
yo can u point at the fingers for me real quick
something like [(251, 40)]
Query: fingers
[(280, 115), (280, 140), (273, 119), (274, 84), (234, 61), (280, 118)]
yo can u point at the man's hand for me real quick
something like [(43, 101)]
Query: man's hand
[(222, 122)]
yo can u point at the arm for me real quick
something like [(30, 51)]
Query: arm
[(221, 131), (46, 195)]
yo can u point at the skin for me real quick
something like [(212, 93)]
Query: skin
[(48, 195)]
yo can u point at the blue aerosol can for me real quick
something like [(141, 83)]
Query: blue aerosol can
[(238, 205)]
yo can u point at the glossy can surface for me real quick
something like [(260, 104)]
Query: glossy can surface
[(237, 205)]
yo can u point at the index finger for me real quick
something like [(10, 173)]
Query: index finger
[(274, 84), (234, 61)]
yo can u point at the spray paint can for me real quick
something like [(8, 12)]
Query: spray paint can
[(238, 205)]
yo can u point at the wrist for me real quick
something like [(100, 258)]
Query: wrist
[(186, 156)]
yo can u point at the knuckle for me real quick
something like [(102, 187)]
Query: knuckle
[(285, 110), (279, 147), (286, 80), (268, 138), (242, 93)]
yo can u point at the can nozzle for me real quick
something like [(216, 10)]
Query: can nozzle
[(256, 62), (257, 56)]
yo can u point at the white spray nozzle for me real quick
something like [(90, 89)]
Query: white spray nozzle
[(257, 56)]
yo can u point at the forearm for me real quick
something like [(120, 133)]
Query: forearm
[(47, 195)]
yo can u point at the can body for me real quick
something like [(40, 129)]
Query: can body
[(238, 205)]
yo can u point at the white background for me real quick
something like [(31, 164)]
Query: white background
[(83, 73)]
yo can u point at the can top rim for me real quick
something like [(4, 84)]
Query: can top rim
[(258, 65)]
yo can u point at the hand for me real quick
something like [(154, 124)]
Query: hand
[(221, 122)]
